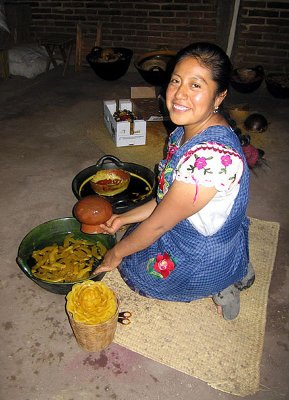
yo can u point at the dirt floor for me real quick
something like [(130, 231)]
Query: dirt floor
[(44, 144)]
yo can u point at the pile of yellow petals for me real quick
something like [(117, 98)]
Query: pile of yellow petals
[(91, 302)]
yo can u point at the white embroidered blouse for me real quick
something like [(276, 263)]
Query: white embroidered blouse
[(212, 164)]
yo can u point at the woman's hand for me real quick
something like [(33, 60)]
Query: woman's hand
[(113, 224), (135, 215), (109, 263), (181, 201)]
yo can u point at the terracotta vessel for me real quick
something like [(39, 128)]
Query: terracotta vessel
[(91, 211), (109, 182)]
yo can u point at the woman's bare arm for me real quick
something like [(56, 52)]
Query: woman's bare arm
[(176, 205), (137, 214)]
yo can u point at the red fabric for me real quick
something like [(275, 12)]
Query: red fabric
[(251, 154)]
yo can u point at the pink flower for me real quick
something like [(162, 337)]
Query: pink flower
[(200, 163), (164, 265), (171, 151), (226, 160), (162, 182)]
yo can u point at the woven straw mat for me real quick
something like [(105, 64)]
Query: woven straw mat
[(192, 338)]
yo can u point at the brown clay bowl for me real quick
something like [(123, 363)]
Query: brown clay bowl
[(109, 182), (91, 211)]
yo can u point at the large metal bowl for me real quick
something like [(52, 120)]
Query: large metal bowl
[(50, 232)]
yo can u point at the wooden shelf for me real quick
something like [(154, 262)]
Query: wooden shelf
[(87, 37)]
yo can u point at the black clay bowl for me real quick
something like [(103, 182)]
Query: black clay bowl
[(115, 67), (278, 85), (247, 80), (155, 66), (46, 234)]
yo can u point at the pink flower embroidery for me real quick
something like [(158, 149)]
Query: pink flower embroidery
[(200, 163), (162, 182), (161, 266), (171, 151), (226, 160)]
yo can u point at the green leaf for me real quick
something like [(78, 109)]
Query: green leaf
[(156, 274), (150, 264)]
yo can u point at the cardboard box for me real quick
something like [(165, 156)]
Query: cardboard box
[(124, 133), (146, 104)]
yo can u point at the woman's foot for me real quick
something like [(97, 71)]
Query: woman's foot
[(248, 280), (228, 302)]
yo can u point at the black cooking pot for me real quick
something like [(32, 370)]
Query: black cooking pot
[(141, 188), (110, 70), (155, 66), (278, 85), (256, 123), (247, 80)]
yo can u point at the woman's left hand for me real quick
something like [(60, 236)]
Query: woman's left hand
[(109, 263)]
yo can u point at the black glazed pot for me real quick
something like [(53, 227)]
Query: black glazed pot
[(256, 123), (247, 80), (141, 188), (155, 66), (278, 85), (111, 65)]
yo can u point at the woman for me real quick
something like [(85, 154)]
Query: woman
[(192, 240)]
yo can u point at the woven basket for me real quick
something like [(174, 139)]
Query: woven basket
[(94, 337)]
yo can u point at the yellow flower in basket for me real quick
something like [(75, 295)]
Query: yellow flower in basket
[(91, 302)]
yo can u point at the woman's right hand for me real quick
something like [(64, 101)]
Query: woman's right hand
[(113, 224), (138, 214)]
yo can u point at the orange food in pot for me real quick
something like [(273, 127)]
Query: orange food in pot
[(109, 182)]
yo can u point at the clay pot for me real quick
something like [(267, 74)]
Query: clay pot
[(256, 123), (154, 67), (278, 85), (91, 211), (109, 182), (247, 80), (246, 74), (109, 64)]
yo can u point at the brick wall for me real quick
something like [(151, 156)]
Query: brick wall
[(142, 25), (263, 35)]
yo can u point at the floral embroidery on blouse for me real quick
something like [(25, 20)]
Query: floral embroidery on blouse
[(210, 164), (161, 266), (201, 163)]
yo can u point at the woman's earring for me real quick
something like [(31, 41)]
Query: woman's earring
[(216, 110)]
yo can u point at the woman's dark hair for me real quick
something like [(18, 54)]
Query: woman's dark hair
[(212, 57)]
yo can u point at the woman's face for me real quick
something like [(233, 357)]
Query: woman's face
[(191, 95)]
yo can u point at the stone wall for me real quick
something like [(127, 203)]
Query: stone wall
[(262, 34)]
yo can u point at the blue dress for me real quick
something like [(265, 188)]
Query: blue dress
[(183, 264)]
